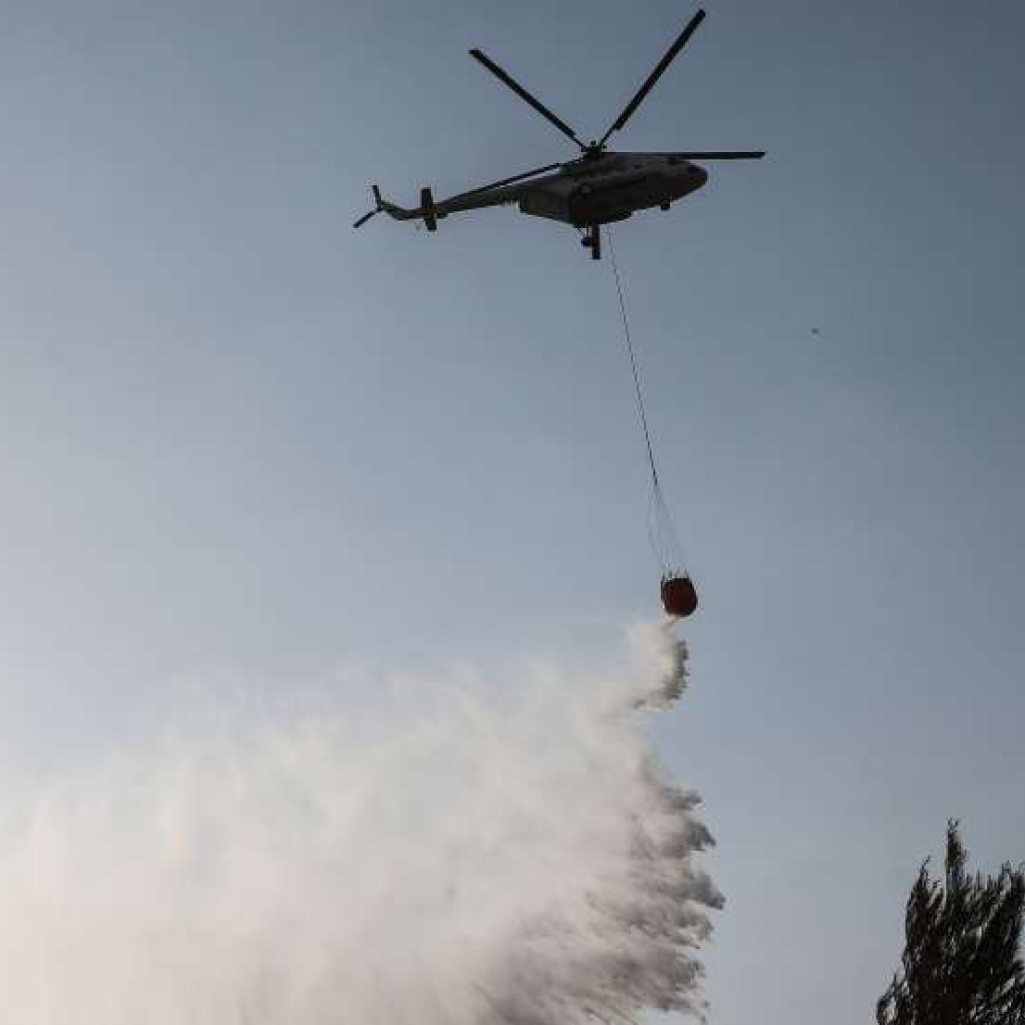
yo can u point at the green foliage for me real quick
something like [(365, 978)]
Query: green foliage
[(962, 960)]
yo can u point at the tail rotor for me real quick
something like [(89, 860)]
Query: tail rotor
[(378, 207)]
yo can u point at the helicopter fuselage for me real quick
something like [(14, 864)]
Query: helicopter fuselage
[(610, 187), (588, 191)]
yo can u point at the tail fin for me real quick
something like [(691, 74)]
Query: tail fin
[(381, 205), (398, 212)]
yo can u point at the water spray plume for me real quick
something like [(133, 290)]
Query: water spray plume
[(520, 859)]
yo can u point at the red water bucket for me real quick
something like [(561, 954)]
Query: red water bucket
[(679, 598)]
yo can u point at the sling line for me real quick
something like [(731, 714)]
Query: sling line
[(633, 364)]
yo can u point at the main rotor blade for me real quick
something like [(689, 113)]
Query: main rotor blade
[(509, 181), (511, 82), (746, 154), (681, 42)]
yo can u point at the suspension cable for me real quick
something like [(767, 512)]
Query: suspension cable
[(633, 363), (662, 535)]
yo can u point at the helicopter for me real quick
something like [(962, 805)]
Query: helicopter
[(599, 187)]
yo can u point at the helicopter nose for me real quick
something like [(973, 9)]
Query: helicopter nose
[(689, 179), (696, 178)]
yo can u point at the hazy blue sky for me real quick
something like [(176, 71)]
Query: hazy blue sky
[(236, 436)]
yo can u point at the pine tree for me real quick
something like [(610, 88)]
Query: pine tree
[(962, 961)]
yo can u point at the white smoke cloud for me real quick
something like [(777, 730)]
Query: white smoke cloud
[(521, 860)]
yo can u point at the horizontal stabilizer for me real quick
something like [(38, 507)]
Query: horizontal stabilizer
[(427, 206)]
